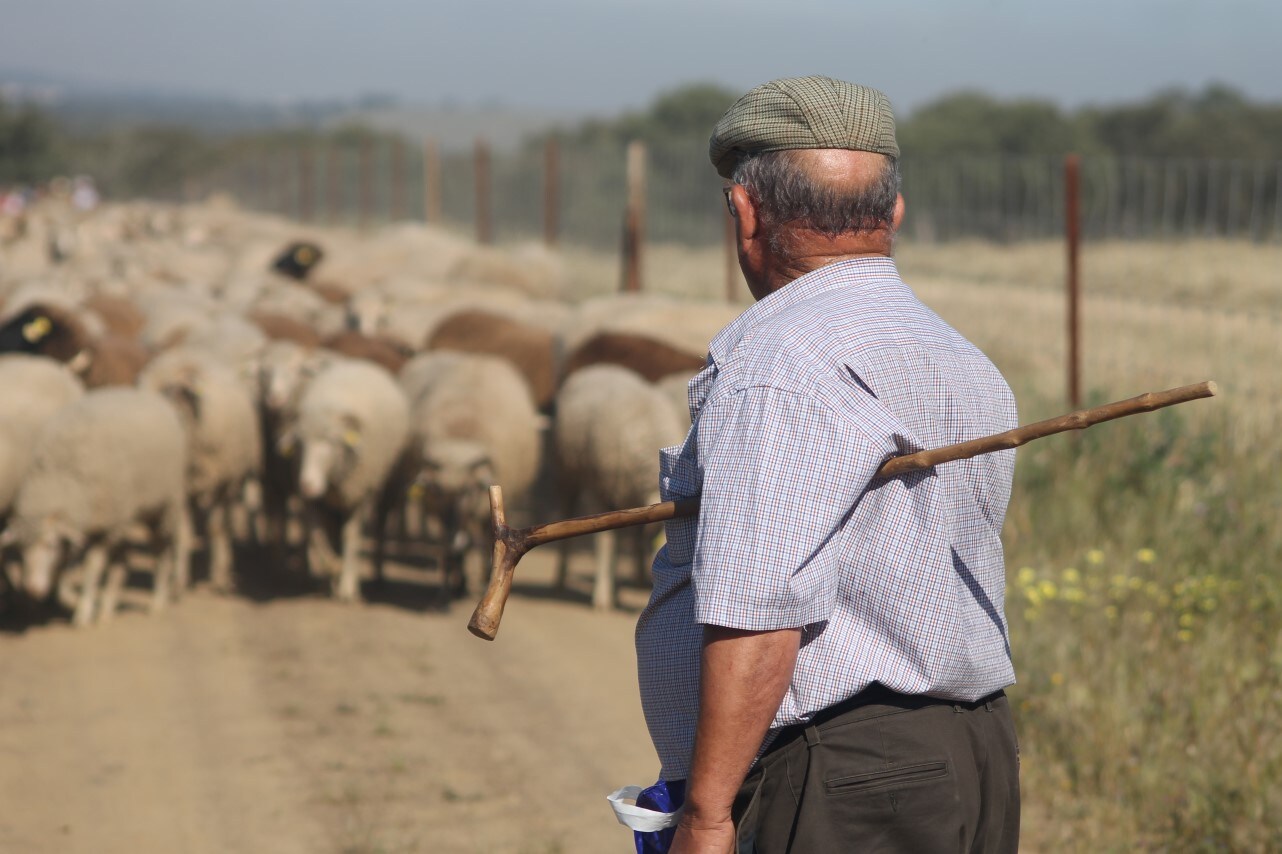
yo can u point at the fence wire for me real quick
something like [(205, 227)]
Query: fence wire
[(1000, 198)]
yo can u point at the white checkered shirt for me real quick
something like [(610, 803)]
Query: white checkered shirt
[(901, 580)]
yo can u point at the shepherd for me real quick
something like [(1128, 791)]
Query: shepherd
[(823, 660)]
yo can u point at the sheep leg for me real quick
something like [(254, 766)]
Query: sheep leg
[(320, 542), (173, 568), (68, 593), (111, 592), (641, 552), (603, 597), (481, 546), (95, 562), (348, 587), (180, 539), (568, 503), (218, 536), (382, 510)]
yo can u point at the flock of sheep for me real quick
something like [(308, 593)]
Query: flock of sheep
[(200, 382)]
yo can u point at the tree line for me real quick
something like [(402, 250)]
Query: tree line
[(1216, 122)]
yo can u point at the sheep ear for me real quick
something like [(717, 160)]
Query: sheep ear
[(7, 538), (186, 398), (351, 432), (80, 362)]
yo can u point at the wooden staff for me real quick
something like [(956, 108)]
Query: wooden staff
[(511, 544)]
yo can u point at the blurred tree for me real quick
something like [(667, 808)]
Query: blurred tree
[(972, 123), (29, 145)]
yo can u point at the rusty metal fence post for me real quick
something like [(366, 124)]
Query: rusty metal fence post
[(431, 183), (551, 191), (484, 217), (1072, 170), (366, 173), (634, 218), (397, 180)]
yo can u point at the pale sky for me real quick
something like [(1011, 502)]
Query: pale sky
[(605, 55)]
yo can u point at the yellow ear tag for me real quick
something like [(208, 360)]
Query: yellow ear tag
[(351, 438), (416, 491), (304, 255), (37, 329)]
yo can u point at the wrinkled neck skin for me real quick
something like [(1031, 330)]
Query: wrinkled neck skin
[(807, 251)]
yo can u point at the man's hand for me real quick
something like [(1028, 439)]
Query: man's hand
[(699, 837)]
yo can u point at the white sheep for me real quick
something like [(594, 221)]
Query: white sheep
[(474, 423), (224, 443), (35, 388), (610, 425), (103, 465), (353, 421), (285, 368), (676, 388)]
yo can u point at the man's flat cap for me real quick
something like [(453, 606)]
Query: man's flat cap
[(803, 112)]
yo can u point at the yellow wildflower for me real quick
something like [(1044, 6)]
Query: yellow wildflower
[(1184, 635), (1071, 576), (1057, 678), (1135, 583), (1027, 575), (1146, 555), (1111, 613), (1095, 557), (1034, 598), (1186, 620), (1048, 589), (1209, 603), (1074, 594)]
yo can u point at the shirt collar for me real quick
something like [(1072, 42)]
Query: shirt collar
[(855, 272)]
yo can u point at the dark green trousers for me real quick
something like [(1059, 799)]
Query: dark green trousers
[(886, 772)]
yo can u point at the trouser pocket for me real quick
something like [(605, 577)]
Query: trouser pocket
[(900, 776)]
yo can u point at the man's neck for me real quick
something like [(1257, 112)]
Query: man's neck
[(820, 251)]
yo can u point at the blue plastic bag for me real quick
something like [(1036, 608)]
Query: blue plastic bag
[(663, 796)]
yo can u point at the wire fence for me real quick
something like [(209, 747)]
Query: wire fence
[(1001, 198)]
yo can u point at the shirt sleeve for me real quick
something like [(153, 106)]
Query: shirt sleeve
[(781, 473)]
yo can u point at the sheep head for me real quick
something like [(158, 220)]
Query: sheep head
[(45, 547), (328, 458), (45, 330)]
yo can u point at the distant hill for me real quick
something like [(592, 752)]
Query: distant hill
[(84, 107), (455, 128)]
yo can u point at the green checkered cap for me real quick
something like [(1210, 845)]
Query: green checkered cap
[(803, 112)]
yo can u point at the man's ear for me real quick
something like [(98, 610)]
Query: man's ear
[(745, 213), (898, 217)]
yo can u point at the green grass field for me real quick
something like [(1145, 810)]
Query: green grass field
[(1144, 556), (1144, 596)]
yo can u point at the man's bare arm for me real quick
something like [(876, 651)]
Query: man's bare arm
[(744, 678)]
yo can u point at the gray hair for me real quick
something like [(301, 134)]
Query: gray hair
[(784, 192)]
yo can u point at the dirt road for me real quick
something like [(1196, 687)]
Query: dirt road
[(288, 723)]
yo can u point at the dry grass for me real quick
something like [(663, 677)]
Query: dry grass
[(1143, 600)]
